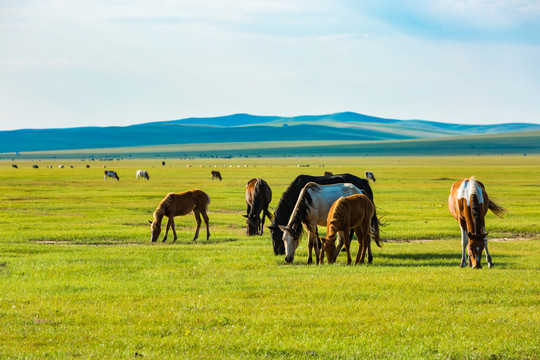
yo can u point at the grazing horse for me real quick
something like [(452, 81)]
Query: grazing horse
[(258, 197), (111, 174), (14, 166), (177, 205), (468, 203), (351, 212), (288, 200), (328, 173), (370, 176), (312, 209), (142, 174), (216, 175)]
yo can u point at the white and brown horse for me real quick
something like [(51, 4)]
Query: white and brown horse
[(258, 198), (177, 205), (370, 176), (142, 174), (311, 209), (351, 212), (111, 174), (468, 203)]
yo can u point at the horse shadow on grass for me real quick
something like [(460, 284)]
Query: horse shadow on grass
[(429, 259)]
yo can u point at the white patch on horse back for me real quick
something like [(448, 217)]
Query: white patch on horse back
[(470, 188)]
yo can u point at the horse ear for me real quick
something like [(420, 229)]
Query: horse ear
[(150, 222), (283, 228), (470, 235), (486, 234), (245, 216)]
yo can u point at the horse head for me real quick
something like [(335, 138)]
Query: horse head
[(252, 222), (475, 248), (328, 247), (155, 229), (290, 241)]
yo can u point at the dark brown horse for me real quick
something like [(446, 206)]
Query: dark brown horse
[(258, 197), (469, 203), (177, 205), (216, 175)]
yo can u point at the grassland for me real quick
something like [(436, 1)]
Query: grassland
[(79, 278)]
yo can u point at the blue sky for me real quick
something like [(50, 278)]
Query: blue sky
[(116, 62)]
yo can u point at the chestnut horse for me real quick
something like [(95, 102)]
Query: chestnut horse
[(177, 205), (311, 209), (468, 203), (351, 212), (258, 197)]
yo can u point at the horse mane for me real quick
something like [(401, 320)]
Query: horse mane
[(257, 197), (340, 212), (163, 208), (476, 209), (301, 209)]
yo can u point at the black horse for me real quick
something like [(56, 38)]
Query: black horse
[(290, 196)]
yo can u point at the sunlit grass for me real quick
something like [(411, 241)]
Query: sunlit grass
[(79, 277)]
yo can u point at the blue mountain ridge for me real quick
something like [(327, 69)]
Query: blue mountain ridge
[(243, 128)]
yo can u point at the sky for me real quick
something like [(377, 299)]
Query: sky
[(67, 63)]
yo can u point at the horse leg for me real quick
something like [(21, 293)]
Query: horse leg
[(369, 256), (347, 241), (339, 245), (310, 248), (173, 229), (198, 220), (261, 221), (361, 251), (488, 257), (167, 229), (207, 223), (464, 243)]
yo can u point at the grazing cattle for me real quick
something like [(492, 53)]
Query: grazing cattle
[(88, 166), (163, 163), (468, 203), (49, 166), (216, 175), (370, 176), (351, 212), (35, 167), (258, 197), (311, 209), (14, 166), (177, 205), (142, 174), (328, 173), (60, 166), (288, 200), (111, 174)]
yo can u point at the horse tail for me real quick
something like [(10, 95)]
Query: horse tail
[(374, 227), (269, 215), (496, 209)]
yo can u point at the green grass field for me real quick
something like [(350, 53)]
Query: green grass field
[(79, 277)]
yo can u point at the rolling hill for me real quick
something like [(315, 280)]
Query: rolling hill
[(245, 128)]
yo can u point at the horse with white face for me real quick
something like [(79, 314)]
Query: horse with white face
[(111, 174), (469, 203), (142, 174), (311, 209), (369, 176)]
